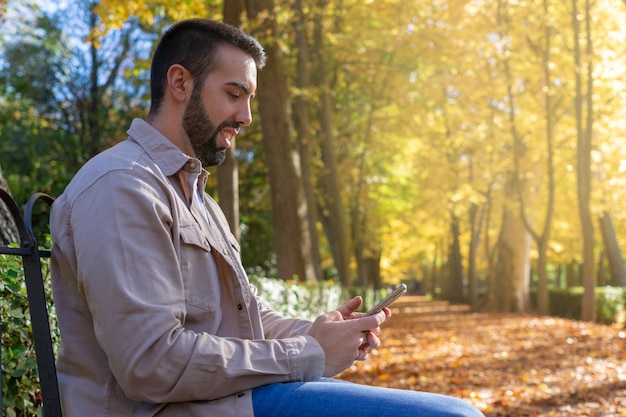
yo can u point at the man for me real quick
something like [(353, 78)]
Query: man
[(155, 310)]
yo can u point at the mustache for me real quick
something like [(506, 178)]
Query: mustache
[(229, 124)]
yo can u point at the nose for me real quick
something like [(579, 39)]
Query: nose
[(244, 114)]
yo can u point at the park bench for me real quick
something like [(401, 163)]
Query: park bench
[(31, 261)]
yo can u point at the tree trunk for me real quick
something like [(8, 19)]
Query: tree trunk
[(289, 210), (453, 289), (368, 266), (425, 286), (303, 129), (613, 251), (508, 291), (228, 189), (543, 292), (227, 172), (93, 117), (8, 228), (559, 276), (542, 236), (476, 219), (97, 108), (429, 276), (333, 200), (583, 168), (572, 274), (601, 275), (471, 257)]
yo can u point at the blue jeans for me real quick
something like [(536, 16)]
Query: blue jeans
[(332, 398)]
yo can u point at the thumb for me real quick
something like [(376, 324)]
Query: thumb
[(350, 307)]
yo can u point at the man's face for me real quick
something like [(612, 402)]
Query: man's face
[(224, 99)]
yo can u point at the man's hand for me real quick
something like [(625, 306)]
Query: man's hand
[(346, 336)]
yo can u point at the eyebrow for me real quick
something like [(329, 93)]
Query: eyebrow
[(240, 85)]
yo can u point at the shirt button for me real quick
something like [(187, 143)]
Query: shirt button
[(239, 307)]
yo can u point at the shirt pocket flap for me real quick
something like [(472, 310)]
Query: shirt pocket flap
[(192, 235)]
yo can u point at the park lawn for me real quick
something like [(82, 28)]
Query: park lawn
[(506, 365)]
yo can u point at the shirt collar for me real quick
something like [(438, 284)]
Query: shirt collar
[(161, 150), (170, 159)]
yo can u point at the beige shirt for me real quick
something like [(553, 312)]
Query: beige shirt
[(155, 310)]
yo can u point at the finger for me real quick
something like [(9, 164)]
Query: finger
[(369, 323), (350, 307), (386, 310), (375, 331), (362, 353), (372, 340), (333, 316)]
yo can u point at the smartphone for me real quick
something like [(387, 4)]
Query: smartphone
[(386, 302)]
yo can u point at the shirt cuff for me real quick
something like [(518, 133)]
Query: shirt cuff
[(307, 358)]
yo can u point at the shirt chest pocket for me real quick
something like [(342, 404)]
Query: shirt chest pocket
[(199, 273)]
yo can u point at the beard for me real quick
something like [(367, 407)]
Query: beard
[(202, 132)]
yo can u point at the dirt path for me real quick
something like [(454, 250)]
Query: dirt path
[(506, 365)]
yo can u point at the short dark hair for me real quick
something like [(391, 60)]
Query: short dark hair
[(193, 44)]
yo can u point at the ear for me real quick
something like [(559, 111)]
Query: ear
[(179, 82)]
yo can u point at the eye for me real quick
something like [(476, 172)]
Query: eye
[(234, 95)]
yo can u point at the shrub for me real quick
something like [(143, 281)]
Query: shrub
[(610, 304), (20, 386), (567, 303), (309, 300)]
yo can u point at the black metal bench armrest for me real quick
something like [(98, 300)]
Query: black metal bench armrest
[(30, 254)]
